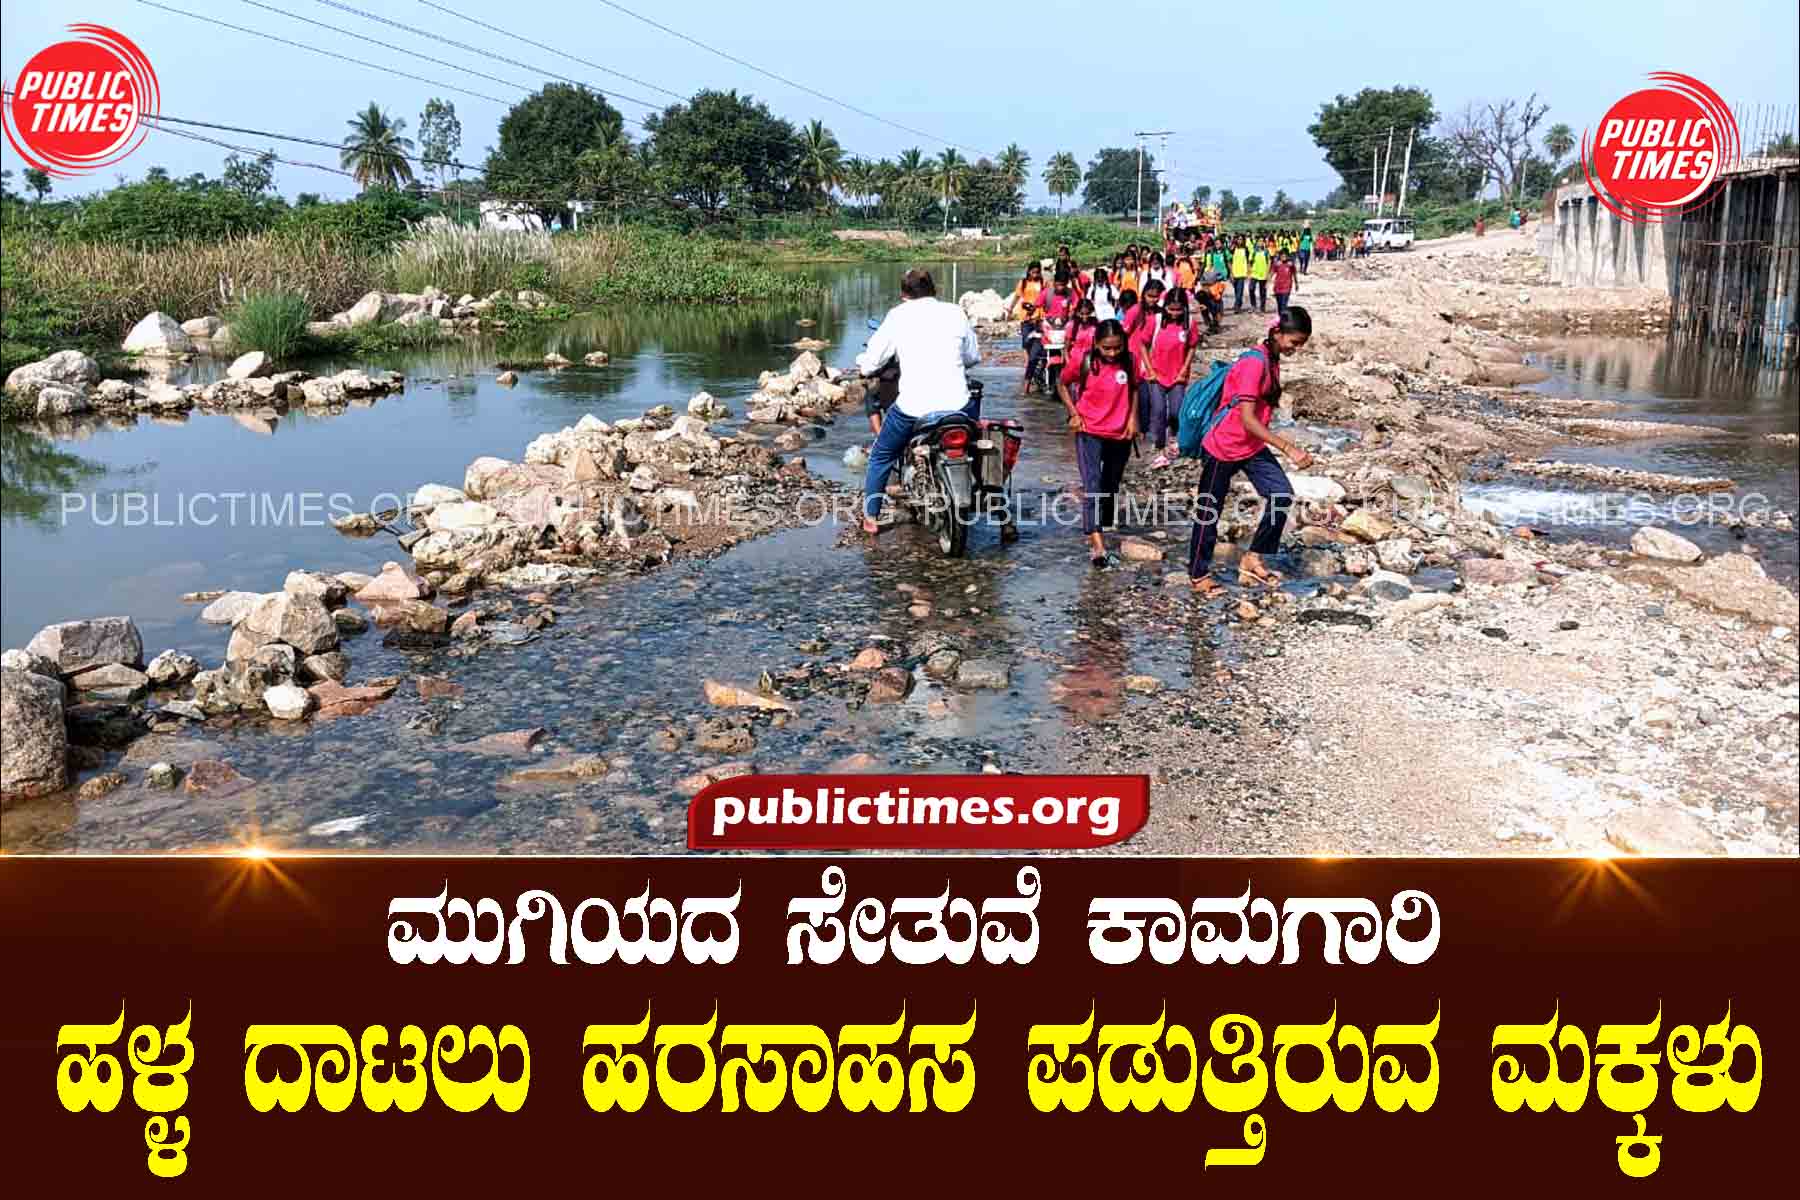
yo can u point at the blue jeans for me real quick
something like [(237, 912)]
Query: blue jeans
[(1163, 405), (1305, 258), (1271, 483), (896, 430), (1237, 290)]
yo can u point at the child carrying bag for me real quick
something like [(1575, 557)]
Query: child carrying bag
[(1201, 411)]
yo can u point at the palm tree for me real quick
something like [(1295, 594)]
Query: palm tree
[(375, 152), (861, 181), (1062, 175), (912, 167), (947, 175), (821, 160), (1781, 147), (1559, 139), (1013, 164)]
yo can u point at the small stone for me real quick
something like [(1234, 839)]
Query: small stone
[(101, 785), (1495, 632), (728, 695), (286, 702), (212, 777), (349, 622), (1247, 611), (1144, 685), (724, 735), (507, 378), (437, 687), (316, 668), (869, 660), (172, 668), (943, 664), (890, 686), (989, 673), (161, 776), (1651, 542), (1365, 525), (1137, 549), (1567, 626)]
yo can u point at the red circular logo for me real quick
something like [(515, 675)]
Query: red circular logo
[(79, 105), (1658, 150)]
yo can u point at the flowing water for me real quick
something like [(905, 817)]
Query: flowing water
[(1730, 409), (626, 657)]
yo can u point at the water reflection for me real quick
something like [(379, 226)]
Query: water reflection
[(34, 474)]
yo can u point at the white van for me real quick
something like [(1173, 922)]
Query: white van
[(1388, 233)]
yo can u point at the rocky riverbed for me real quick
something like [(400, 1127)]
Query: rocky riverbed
[(558, 676)]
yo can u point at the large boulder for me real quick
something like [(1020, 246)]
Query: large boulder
[(302, 622), (77, 645), (230, 608), (34, 742), (395, 583), (201, 327), (366, 311), (1651, 542), (986, 305), (250, 366), (66, 368), (158, 334)]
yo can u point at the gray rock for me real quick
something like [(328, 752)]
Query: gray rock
[(34, 742), (56, 401), (230, 608), (943, 664), (349, 622), (300, 621), (77, 645), (26, 660), (162, 776), (328, 590), (201, 327), (253, 365), (333, 665), (1736, 583), (185, 709), (1651, 542), (1495, 571), (172, 668), (286, 702), (989, 673), (158, 334), (65, 368), (113, 681)]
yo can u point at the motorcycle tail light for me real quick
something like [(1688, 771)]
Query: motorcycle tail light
[(1013, 444), (954, 442)]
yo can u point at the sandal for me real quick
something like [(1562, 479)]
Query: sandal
[(1159, 462), (1207, 588), (1262, 577)]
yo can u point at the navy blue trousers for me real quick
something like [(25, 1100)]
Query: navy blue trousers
[(1270, 482)]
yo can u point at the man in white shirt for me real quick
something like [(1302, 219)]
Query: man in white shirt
[(935, 345)]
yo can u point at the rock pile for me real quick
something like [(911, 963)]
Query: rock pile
[(68, 384), (412, 308)]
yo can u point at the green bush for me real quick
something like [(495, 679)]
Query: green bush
[(158, 213), (273, 322), (372, 223)]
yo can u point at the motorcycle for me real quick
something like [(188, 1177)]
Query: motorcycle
[(1056, 353), (957, 468), (1036, 378)]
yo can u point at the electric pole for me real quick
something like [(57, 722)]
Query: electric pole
[(1141, 135), (1381, 191), (1405, 171)]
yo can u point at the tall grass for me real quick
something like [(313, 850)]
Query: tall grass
[(104, 289), (273, 322), (470, 258)]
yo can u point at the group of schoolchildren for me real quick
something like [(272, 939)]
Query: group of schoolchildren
[(1132, 336)]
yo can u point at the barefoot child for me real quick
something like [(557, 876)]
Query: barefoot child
[(1241, 442)]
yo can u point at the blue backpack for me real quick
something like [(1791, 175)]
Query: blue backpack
[(1201, 411)]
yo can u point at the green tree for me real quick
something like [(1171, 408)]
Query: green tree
[(375, 152), (1352, 129), (250, 177), (541, 137), (611, 175), (722, 154), (1014, 164), (861, 181), (1111, 182), (1202, 195), (1252, 205), (1439, 174), (821, 160), (157, 175), (1559, 139), (948, 173), (1062, 175), (1782, 147), (1228, 203), (1282, 205), (35, 473), (440, 137), (987, 192), (38, 182)]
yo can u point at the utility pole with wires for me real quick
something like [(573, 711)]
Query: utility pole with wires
[(1405, 172), (1141, 135), (1381, 189)]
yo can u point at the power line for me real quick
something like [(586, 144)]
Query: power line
[(436, 37), (382, 67), (552, 49), (811, 91), (385, 45)]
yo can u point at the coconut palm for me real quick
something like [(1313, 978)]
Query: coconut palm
[(860, 182), (1782, 147), (821, 160), (1013, 164), (1559, 139), (947, 175), (912, 167), (1062, 175), (376, 150)]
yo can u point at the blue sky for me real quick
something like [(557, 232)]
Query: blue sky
[(1239, 83)]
